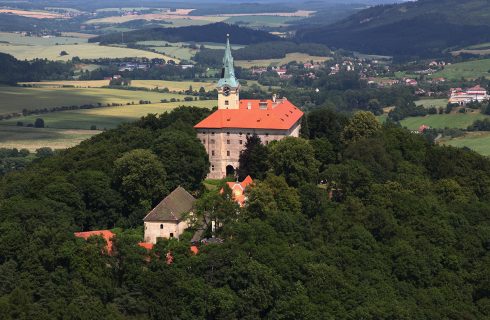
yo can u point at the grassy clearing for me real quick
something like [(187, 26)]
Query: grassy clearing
[(35, 138), (81, 50), (468, 70), (476, 141), (257, 21), (428, 103), (38, 14), (485, 45), (19, 39), (299, 57), (456, 120), (150, 84), (104, 118), (14, 99)]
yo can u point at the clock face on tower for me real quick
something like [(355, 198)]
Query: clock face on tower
[(226, 91)]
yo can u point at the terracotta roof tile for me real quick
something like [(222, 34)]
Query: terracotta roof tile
[(106, 234), (254, 114)]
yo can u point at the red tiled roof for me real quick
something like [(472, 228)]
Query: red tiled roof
[(238, 188), (477, 88), (263, 114), (146, 245), (106, 234)]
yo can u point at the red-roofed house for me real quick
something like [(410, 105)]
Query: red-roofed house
[(238, 190), (106, 234), (225, 132)]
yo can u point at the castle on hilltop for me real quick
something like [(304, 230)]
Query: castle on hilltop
[(225, 132)]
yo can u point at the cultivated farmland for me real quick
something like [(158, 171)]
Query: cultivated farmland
[(298, 57), (103, 118), (14, 99)]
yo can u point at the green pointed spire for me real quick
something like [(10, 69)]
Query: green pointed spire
[(228, 72)]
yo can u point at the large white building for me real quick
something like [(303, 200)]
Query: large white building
[(462, 97), (225, 132)]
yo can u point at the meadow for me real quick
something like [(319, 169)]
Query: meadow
[(149, 84), (429, 103), (103, 118), (35, 138), (18, 39), (298, 57), (476, 141), (14, 99), (441, 121), (469, 70), (81, 50), (260, 21)]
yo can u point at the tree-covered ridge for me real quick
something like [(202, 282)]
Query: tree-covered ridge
[(13, 70), (352, 221), (215, 32), (418, 28)]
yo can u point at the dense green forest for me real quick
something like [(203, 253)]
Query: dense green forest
[(215, 32), (403, 235), (418, 28), (13, 70)]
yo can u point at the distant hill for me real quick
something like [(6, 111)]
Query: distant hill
[(215, 32), (421, 28)]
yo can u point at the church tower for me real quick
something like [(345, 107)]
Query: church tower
[(228, 85)]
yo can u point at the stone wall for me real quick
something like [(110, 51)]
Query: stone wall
[(224, 145), (160, 229)]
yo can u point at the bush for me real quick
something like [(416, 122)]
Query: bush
[(39, 123)]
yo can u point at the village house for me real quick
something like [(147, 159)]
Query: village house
[(224, 133), (168, 219), (462, 97), (238, 190)]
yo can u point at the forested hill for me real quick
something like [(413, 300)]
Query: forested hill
[(13, 70), (215, 32), (420, 28), (404, 235)]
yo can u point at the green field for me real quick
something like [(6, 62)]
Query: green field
[(428, 103), (476, 141), (454, 120), (14, 99), (81, 50), (262, 21), (105, 117), (150, 84), (469, 70), (170, 49), (19, 39), (35, 138), (299, 57)]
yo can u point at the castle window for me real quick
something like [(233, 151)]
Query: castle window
[(240, 133), (227, 103), (212, 133), (212, 152), (212, 168), (211, 141), (227, 141), (228, 153), (241, 141), (267, 142), (203, 141), (227, 133), (161, 226), (266, 134)]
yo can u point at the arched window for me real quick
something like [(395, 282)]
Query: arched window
[(161, 226)]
